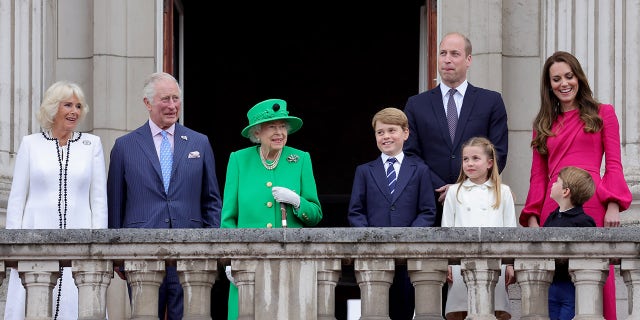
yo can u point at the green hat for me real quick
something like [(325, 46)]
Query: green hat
[(270, 110)]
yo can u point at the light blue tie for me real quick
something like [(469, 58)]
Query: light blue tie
[(166, 160)]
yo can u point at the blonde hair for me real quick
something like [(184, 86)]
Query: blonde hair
[(56, 93), (493, 174), (393, 116)]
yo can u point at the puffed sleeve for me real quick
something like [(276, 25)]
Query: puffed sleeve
[(613, 187), (538, 182)]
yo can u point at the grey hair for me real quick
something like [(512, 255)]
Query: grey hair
[(56, 93), (256, 128), (149, 90)]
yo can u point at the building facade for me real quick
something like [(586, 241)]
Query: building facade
[(108, 47)]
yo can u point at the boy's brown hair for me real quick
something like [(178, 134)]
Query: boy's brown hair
[(579, 183), (393, 116)]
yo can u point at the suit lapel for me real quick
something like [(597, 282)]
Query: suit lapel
[(468, 103), (440, 115), (145, 141), (380, 177), (407, 168), (180, 143)]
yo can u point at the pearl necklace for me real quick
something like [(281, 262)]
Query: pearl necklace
[(269, 166), (62, 189)]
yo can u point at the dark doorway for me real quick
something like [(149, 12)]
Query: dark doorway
[(336, 63)]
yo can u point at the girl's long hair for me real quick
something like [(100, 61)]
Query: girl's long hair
[(492, 174)]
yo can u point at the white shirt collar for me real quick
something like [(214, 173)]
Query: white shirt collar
[(399, 157), (462, 88), (156, 130)]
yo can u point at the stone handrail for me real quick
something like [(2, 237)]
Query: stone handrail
[(316, 256)]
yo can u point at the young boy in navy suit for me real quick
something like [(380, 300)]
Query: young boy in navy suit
[(400, 196), (572, 189)]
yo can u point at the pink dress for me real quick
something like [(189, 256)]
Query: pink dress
[(571, 146)]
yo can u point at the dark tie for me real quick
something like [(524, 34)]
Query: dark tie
[(391, 175), (166, 160), (452, 114)]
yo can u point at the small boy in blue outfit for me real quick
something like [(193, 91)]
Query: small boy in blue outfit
[(571, 190), (394, 190)]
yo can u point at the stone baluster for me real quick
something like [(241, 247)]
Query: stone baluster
[(39, 278), (144, 278), (428, 277), (197, 278), (589, 276), (92, 277), (328, 276), (481, 276), (244, 272), (374, 277), (630, 270), (534, 277)]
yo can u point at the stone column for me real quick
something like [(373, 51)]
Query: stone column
[(328, 276), (534, 277), (630, 269), (589, 276), (39, 278), (481, 276), (428, 276), (374, 277), (145, 278), (244, 272), (197, 278), (92, 277)]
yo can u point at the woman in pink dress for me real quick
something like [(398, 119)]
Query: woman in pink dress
[(573, 129)]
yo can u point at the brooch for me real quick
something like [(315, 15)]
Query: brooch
[(293, 158), (184, 138)]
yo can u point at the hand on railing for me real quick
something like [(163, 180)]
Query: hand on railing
[(510, 276)]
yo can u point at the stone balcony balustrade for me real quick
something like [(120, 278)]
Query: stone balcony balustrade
[(293, 273)]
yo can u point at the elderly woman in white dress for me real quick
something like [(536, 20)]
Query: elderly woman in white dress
[(59, 182)]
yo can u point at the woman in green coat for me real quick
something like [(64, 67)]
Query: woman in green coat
[(260, 178)]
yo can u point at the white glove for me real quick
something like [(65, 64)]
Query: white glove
[(284, 195), (227, 271)]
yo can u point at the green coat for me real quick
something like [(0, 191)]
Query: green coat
[(249, 203)]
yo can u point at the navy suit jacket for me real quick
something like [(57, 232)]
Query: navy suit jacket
[(411, 205), (136, 196), (482, 114)]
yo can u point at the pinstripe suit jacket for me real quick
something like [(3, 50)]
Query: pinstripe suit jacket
[(136, 196)]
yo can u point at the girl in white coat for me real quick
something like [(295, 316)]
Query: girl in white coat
[(478, 199)]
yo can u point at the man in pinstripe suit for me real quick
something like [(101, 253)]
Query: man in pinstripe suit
[(137, 195)]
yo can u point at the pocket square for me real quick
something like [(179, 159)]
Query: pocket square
[(194, 154)]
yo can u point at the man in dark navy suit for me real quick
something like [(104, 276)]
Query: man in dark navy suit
[(443, 118), (147, 192), (480, 112)]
